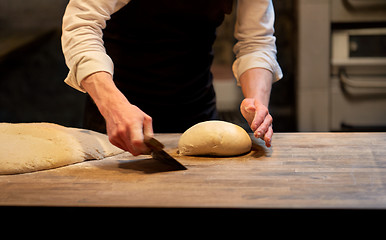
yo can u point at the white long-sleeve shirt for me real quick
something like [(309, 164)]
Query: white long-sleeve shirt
[(85, 54)]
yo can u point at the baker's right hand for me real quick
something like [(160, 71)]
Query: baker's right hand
[(126, 124), (126, 127)]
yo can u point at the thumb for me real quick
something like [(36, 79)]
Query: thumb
[(248, 109)]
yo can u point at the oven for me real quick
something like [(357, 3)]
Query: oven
[(341, 65), (358, 80)]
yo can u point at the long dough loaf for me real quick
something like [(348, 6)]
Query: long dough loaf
[(28, 147)]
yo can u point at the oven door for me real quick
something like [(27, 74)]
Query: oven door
[(348, 11), (358, 82)]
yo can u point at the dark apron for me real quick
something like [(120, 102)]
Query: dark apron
[(162, 53)]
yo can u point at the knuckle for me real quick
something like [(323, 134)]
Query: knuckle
[(263, 112), (113, 137), (148, 119), (113, 141), (137, 143), (117, 132), (269, 118), (134, 153)]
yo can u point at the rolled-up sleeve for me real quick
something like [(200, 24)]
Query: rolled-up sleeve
[(254, 30), (82, 42)]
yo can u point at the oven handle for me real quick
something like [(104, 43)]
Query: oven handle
[(370, 5), (360, 83)]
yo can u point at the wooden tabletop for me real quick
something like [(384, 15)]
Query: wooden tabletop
[(301, 170)]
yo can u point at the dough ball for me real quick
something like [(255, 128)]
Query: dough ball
[(28, 147), (217, 138)]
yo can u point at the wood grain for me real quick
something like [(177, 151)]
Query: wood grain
[(301, 170)]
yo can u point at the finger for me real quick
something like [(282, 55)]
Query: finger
[(263, 128), (116, 140), (259, 118), (148, 130), (118, 144), (268, 137), (148, 126), (121, 138), (135, 141)]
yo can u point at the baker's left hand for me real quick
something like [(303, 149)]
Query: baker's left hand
[(258, 118)]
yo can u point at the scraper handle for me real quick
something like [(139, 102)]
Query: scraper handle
[(153, 143)]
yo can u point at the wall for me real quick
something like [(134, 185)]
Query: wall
[(32, 66), (32, 14)]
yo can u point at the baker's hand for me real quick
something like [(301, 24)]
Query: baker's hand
[(258, 118), (126, 124)]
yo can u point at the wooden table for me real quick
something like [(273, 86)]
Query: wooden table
[(300, 171)]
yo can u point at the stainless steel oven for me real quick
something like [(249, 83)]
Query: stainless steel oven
[(341, 65), (358, 80)]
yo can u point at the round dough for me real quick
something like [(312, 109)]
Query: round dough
[(217, 138), (28, 147)]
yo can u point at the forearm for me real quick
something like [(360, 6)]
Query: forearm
[(126, 124), (256, 83), (101, 87)]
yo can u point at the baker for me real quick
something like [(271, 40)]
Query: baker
[(162, 53)]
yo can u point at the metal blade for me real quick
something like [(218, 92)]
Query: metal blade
[(159, 154), (164, 157)]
